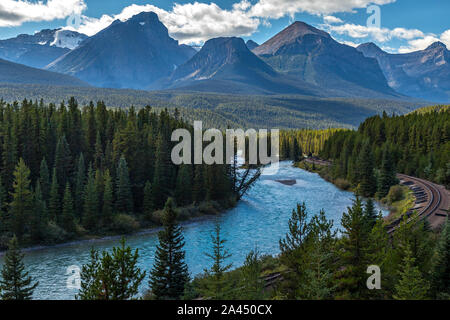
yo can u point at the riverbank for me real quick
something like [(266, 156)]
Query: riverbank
[(394, 204), (135, 225)]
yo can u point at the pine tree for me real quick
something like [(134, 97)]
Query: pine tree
[(53, 202), (368, 183), (40, 218), (44, 178), (370, 214), (252, 284), (113, 276), (108, 199), (147, 206), (170, 272), (183, 193), (91, 205), (217, 286), (3, 208), (67, 219), (124, 200), (21, 207), (80, 181), (63, 163), (353, 254), (412, 285), (387, 176), (294, 248), (15, 283), (198, 189), (162, 179), (440, 275)]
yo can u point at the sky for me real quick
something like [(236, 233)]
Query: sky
[(397, 26)]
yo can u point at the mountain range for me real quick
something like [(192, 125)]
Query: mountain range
[(226, 65), (130, 54), (423, 74), (140, 54), (40, 49), (312, 55)]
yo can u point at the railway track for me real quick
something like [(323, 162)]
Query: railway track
[(429, 199), (432, 201)]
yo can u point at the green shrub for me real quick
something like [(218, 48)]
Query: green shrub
[(342, 184), (55, 234), (124, 223), (395, 194)]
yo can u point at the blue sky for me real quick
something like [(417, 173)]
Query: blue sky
[(405, 25)]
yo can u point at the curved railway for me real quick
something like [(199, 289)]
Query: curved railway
[(431, 203)]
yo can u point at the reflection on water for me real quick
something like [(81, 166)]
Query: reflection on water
[(259, 220)]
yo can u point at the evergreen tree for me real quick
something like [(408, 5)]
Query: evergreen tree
[(108, 199), (294, 248), (44, 178), (53, 202), (113, 276), (80, 181), (183, 193), (21, 207), (91, 205), (252, 284), (124, 199), (412, 285), (3, 208), (40, 219), (217, 286), (148, 200), (440, 275), (170, 272), (67, 220), (370, 214), (198, 189), (63, 162), (353, 254), (368, 183), (162, 179), (15, 283), (387, 176)]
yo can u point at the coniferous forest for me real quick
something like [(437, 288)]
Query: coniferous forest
[(417, 144), (68, 171)]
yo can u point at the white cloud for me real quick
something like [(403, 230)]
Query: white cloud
[(379, 34), (445, 38), (425, 42), (332, 20), (15, 12), (190, 23), (350, 43), (280, 8), (197, 22)]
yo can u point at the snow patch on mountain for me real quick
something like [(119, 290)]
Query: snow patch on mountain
[(67, 39)]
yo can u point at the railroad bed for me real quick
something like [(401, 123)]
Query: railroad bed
[(432, 202)]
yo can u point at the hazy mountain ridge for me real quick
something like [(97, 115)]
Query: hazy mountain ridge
[(15, 73), (423, 74), (40, 49)]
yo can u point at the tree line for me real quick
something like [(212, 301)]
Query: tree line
[(417, 144), (68, 170)]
